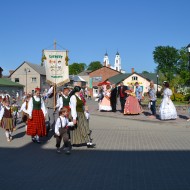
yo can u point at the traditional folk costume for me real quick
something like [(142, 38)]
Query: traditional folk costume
[(167, 109), (14, 110), (81, 134), (7, 123), (105, 104), (61, 133), (36, 126)]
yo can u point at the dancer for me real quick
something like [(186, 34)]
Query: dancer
[(36, 123), (167, 108)]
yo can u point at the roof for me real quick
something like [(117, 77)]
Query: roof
[(38, 68), (84, 73), (107, 68), (7, 82), (120, 77), (76, 78)]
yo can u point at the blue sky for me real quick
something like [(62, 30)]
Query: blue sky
[(90, 28)]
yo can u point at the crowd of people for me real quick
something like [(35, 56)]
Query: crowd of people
[(131, 97), (66, 114)]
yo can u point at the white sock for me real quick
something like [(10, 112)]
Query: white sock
[(37, 137), (7, 134), (26, 128)]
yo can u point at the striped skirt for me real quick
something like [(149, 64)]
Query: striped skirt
[(80, 135), (36, 125), (7, 123)]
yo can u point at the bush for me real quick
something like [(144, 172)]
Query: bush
[(177, 97), (187, 97)]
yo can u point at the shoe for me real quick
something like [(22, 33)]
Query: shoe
[(33, 139), (58, 150), (38, 141), (8, 140), (67, 152), (91, 145)]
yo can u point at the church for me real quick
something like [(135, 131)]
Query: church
[(117, 64)]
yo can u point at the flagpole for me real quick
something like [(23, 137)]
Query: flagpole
[(55, 79)]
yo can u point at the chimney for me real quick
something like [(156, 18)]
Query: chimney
[(10, 72), (132, 70)]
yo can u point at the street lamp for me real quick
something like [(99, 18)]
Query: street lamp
[(27, 70), (188, 49), (157, 83)]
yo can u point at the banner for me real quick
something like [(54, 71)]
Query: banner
[(56, 66)]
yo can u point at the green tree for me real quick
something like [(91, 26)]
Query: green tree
[(145, 72), (76, 68), (95, 65), (167, 59)]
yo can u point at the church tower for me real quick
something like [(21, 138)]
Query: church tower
[(117, 65), (106, 60)]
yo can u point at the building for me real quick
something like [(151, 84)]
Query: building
[(11, 88), (117, 63), (85, 75), (98, 76), (31, 76), (131, 78)]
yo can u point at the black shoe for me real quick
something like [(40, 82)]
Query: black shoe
[(92, 145), (34, 140), (58, 150)]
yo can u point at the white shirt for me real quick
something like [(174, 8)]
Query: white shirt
[(73, 104), (23, 108), (30, 106), (60, 101), (64, 121), (50, 91), (2, 111)]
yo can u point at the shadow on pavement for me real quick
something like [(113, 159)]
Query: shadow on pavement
[(33, 167)]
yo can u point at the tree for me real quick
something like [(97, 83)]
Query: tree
[(95, 65), (76, 68), (167, 59), (145, 72)]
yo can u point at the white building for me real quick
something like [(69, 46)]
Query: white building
[(117, 63)]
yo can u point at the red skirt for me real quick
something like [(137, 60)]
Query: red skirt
[(36, 125)]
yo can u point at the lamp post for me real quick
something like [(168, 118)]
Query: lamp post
[(188, 50), (27, 70), (157, 84)]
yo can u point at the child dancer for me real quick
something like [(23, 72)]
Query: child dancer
[(61, 130), (6, 119)]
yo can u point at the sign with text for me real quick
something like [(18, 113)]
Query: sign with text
[(56, 66)]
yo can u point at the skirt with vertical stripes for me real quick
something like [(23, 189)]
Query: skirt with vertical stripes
[(80, 134)]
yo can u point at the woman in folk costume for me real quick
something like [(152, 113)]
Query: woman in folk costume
[(6, 119), (36, 122), (105, 104), (167, 108), (24, 109), (81, 134), (132, 104)]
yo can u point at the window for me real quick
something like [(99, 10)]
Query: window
[(16, 79), (134, 78), (34, 79)]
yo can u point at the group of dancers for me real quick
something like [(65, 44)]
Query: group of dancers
[(68, 119), (130, 100)]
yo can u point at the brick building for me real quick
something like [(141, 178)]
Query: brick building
[(98, 76)]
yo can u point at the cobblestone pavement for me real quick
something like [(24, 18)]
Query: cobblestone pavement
[(131, 153)]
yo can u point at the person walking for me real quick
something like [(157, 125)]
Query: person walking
[(81, 133), (113, 97), (36, 123)]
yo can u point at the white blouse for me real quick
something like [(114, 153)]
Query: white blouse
[(30, 106), (2, 111), (73, 104)]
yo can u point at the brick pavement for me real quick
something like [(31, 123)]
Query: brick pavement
[(131, 154)]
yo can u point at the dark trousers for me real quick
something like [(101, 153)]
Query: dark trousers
[(153, 107), (122, 101), (63, 135), (113, 104)]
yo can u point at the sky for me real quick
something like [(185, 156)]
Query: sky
[(90, 28)]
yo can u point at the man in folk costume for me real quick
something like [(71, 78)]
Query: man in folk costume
[(36, 122), (52, 115), (113, 97)]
